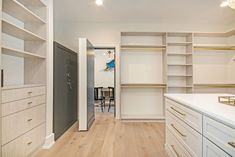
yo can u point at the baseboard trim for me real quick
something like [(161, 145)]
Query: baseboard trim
[(49, 141)]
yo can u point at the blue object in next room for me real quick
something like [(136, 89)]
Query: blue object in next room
[(110, 65)]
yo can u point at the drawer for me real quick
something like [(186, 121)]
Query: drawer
[(16, 106), (211, 150), (173, 147), (220, 134), (22, 93), (188, 137), (17, 124), (26, 144), (191, 117)]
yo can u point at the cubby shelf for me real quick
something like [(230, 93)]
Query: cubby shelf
[(143, 85), (20, 53), (21, 33), (19, 11)]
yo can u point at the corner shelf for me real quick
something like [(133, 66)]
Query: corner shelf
[(143, 85), (19, 11), (20, 53), (21, 33)]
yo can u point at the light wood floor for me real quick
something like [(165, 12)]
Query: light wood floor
[(111, 138)]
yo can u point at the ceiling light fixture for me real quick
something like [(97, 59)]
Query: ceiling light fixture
[(99, 2), (230, 3)]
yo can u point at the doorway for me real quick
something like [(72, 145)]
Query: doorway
[(104, 90)]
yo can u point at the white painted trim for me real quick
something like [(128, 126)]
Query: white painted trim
[(117, 74), (82, 84), (49, 141)]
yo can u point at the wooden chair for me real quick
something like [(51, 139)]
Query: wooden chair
[(111, 97), (98, 95)]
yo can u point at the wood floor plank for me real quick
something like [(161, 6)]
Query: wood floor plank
[(111, 138)]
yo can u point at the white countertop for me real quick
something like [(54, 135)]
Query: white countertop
[(207, 104)]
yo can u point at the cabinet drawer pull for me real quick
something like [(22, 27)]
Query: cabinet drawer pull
[(232, 144), (173, 126), (30, 102), (173, 147), (30, 120), (30, 92), (29, 143), (183, 114)]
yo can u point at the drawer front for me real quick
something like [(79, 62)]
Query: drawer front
[(211, 150), (22, 93), (34, 139), (19, 123), (220, 134), (188, 137), (26, 144), (173, 147), (16, 106), (192, 118)]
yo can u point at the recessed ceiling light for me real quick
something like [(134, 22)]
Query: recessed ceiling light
[(99, 2), (224, 3)]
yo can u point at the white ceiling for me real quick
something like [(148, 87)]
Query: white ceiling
[(157, 11)]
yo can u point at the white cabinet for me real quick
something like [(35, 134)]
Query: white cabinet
[(220, 134), (196, 133), (211, 150)]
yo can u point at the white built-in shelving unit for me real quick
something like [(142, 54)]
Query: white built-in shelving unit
[(142, 75), (179, 60), (23, 62), (154, 63)]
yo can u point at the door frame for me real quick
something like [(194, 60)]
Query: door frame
[(117, 75)]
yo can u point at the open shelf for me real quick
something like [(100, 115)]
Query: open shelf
[(215, 85), (179, 54), (142, 47), (34, 3), (19, 11), (179, 75), (143, 85), (214, 47), (20, 53), (21, 86), (21, 33), (171, 64), (179, 86), (179, 43)]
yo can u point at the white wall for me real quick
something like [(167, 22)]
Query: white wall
[(67, 33), (103, 78)]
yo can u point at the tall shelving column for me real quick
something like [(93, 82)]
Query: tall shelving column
[(214, 62), (179, 62), (142, 75), (23, 61)]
